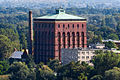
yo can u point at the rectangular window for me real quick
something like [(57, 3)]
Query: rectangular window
[(83, 53), (83, 57), (87, 57)]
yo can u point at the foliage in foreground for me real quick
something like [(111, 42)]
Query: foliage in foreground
[(106, 67)]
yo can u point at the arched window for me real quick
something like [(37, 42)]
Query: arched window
[(78, 39), (73, 25), (63, 39), (59, 39), (68, 25), (73, 39), (59, 43), (82, 39), (82, 26), (63, 25), (77, 25), (58, 25), (68, 36)]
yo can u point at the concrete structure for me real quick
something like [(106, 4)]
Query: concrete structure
[(57, 31), (69, 55)]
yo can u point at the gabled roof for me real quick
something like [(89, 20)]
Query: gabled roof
[(60, 14), (17, 55)]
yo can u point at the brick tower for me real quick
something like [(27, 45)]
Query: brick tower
[(30, 32), (57, 31)]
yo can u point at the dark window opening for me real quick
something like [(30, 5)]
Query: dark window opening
[(82, 26), (73, 39), (82, 39), (73, 25), (63, 39), (68, 25), (58, 25), (59, 43), (77, 25), (68, 35), (63, 26), (78, 39)]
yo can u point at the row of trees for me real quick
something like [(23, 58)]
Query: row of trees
[(106, 67)]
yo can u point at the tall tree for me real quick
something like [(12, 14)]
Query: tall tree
[(110, 45), (112, 74), (105, 61), (19, 71), (43, 72), (5, 47), (54, 65), (4, 66)]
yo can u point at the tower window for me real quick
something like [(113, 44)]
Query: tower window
[(73, 39), (68, 36), (63, 26), (82, 39), (78, 40), (77, 25), (58, 25), (82, 26), (68, 25), (63, 39), (73, 25)]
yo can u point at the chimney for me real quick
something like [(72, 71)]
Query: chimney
[(30, 32)]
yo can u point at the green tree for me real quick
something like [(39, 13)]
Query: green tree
[(99, 39), (103, 22), (82, 77), (99, 51), (54, 65), (75, 71), (96, 77), (112, 74), (5, 47), (105, 61), (43, 72), (12, 36), (95, 39), (113, 36), (23, 41), (4, 66), (110, 45), (19, 71)]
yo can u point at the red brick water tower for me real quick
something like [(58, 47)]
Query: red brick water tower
[(57, 31)]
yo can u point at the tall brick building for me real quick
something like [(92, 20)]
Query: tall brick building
[(53, 32)]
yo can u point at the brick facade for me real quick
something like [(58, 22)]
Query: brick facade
[(50, 36)]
